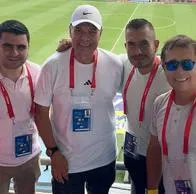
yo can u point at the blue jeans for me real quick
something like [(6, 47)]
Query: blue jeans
[(98, 181)]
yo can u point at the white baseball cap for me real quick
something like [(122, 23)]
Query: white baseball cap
[(87, 13)]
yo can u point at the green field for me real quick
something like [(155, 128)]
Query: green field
[(48, 21)]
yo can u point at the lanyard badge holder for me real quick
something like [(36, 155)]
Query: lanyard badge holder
[(183, 187), (180, 173), (23, 145), (22, 134), (81, 116), (81, 113), (131, 145), (22, 141), (132, 142)]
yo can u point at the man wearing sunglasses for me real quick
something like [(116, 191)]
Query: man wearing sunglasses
[(172, 148), (173, 65)]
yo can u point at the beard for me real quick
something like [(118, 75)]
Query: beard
[(14, 64), (143, 65), (141, 61)]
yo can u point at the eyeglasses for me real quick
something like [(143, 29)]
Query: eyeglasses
[(187, 65)]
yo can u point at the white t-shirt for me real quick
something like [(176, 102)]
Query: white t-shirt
[(91, 149), (174, 138), (134, 97), (20, 96)]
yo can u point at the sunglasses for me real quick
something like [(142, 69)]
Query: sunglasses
[(187, 65)]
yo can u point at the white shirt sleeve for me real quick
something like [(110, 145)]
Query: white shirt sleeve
[(45, 84)]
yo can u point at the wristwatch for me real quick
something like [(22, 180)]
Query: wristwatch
[(51, 151)]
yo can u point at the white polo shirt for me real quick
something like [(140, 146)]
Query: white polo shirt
[(134, 97), (20, 96), (91, 149), (174, 137)]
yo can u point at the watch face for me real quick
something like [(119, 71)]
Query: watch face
[(49, 152)]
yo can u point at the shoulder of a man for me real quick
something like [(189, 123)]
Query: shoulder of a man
[(57, 58), (34, 69), (33, 65), (110, 55), (123, 57), (161, 100), (159, 105)]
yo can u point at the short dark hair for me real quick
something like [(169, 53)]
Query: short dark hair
[(15, 27), (139, 23), (180, 41)]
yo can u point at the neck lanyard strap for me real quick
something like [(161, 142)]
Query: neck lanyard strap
[(186, 130), (32, 111), (71, 70), (7, 98), (146, 90), (126, 88)]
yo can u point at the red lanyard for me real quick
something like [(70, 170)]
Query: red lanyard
[(186, 130), (7, 98), (71, 70), (146, 90)]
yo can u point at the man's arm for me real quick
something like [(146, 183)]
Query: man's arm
[(44, 126), (58, 162), (154, 163), (64, 45)]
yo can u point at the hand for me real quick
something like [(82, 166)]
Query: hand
[(64, 45), (59, 167)]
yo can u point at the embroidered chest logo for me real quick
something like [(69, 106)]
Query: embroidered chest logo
[(88, 82)]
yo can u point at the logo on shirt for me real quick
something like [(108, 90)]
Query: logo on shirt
[(88, 82)]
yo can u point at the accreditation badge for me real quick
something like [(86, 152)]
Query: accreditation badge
[(22, 141), (23, 145), (183, 187), (181, 175), (130, 145), (81, 113)]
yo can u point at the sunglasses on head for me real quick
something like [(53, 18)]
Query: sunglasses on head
[(187, 65)]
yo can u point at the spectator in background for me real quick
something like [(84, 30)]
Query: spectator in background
[(172, 148), (82, 141), (19, 145)]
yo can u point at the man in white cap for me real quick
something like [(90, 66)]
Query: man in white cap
[(80, 134)]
